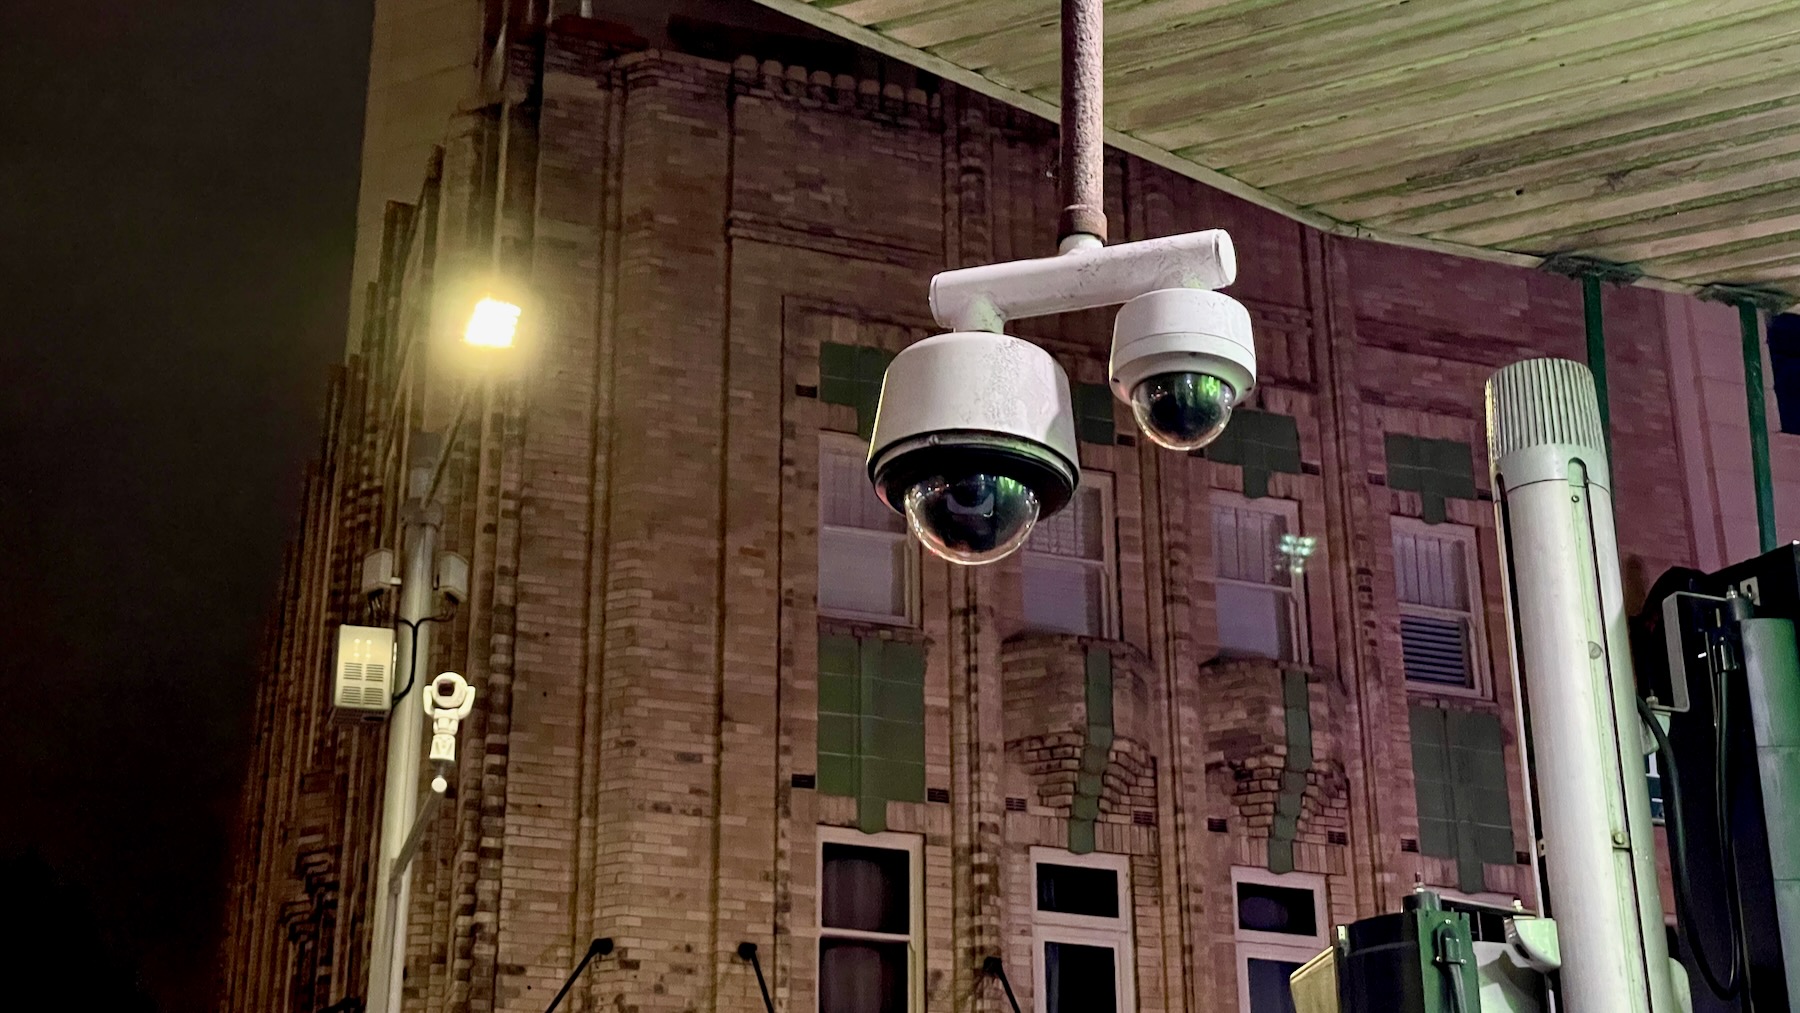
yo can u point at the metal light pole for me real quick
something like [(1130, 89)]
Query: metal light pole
[(406, 729), (492, 326)]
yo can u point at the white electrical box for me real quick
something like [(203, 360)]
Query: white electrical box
[(453, 577), (378, 577), (362, 675)]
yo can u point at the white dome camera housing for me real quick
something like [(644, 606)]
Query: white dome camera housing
[(974, 441), (1182, 357), (449, 696)]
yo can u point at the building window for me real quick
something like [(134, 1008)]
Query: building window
[(1436, 582), (1081, 932), (1459, 780), (1281, 924), (1255, 588), (1067, 565), (868, 568), (870, 921), (1784, 367)]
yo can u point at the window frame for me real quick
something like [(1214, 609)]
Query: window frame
[(1284, 946), (913, 846), (1085, 930), (1107, 564), (831, 441), (1299, 627), (1480, 684)]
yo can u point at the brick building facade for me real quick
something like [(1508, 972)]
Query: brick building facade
[(722, 702)]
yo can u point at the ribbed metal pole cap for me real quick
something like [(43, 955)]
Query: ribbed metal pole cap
[(1540, 404)]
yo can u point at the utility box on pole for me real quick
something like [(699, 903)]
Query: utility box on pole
[(1718, 651), (362, 674)]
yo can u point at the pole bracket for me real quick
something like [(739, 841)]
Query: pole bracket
[(1773, 300), (1574, 265)]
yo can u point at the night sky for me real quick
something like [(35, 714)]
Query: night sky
[(177, 201)]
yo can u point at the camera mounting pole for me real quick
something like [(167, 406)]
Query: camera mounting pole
[(985, 297), (1082, 224)]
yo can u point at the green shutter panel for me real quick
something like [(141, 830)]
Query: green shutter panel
[(1094, 413), (1259, 443), (851, 375), (1432, 783), (839, 707), (1478, 764)]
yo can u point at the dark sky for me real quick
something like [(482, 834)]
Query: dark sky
[(177, 201)]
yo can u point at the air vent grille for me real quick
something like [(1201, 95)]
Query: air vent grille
[(1015, 805), (1410, 845), (1143, 818), (1216, 824), (1435, 650), (1337, 837)]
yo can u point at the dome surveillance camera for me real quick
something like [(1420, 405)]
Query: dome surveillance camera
[(974, 441), (1182, 357)]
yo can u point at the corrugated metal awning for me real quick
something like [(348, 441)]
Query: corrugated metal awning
[(1663, 134)]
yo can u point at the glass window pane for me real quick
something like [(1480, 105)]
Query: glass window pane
[(1254, 622), (1062, 595), (1268, 985), (845, 497), (1077, 531), (857, 976), (1247, 546), (862, 571), (1078, 890), (1080, 979), (1431, 571), (1265, 908), (866, 889)]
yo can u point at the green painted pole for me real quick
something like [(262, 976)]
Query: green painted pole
[(1749, 320), (1596, 350)]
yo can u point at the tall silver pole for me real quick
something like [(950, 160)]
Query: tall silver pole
[(406, 732), (1553, 494)]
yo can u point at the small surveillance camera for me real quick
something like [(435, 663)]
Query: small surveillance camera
[(974, 441), (449, 696), (1182, 357)]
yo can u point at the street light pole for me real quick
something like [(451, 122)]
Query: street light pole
[(492, 327), (406, 729)]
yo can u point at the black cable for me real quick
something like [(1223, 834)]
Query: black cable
[(994, 967), (600, 947), (1734, 901), (1454, 965), (747, 951), (412, 659), (1678, 864)]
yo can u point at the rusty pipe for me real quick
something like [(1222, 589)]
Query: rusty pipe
[(1083, 163)]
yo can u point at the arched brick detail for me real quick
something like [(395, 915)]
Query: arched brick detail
[(1248, 755), (1047, 720)]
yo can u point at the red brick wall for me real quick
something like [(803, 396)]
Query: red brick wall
[(640, 511)]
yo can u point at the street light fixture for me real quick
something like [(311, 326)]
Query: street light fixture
[(493, 323)]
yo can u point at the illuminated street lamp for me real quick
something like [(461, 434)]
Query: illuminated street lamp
[(493, 323)]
